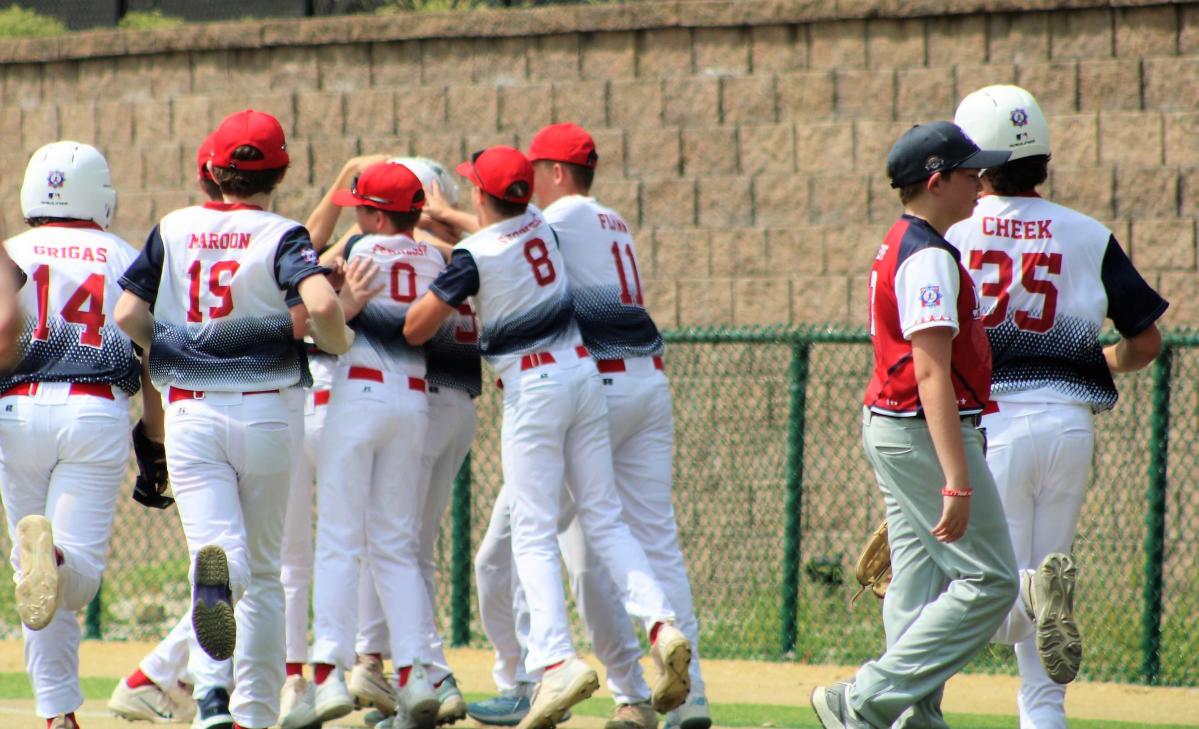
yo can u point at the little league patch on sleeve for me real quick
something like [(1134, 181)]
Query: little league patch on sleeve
[(930, 296)]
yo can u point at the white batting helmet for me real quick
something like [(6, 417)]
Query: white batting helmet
[(1004, 117), (429, 171), (68, 180)]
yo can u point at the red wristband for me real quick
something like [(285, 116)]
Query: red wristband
[(946, 491)]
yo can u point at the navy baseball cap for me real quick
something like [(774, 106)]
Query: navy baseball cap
[(935, 147)]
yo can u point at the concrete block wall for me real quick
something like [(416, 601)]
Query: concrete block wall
[(743, 140)]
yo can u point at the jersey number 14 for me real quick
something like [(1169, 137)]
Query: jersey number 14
[(91, 318)]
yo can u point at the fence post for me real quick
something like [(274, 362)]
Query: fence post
[(1155, 521), (798, 387), (461, 564), (91, 622)]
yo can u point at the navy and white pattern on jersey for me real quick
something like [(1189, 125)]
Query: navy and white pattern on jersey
[(612, 329), (244, 350), (58, 355), (1067, 359), (538, 328), (383, 328), (452, 355)]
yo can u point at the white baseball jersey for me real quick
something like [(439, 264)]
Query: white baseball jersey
[(1048, 276), (452, 354), (406, 268), (221, 278), (69, 296), (517, 277), (605, 279)]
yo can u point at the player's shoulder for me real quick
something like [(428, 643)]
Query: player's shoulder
[(499, 236), (1078, 222), (911, 236)]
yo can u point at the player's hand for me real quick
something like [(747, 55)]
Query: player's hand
[(355, 165), (436, 203), (358, 289), (955, 514), (337, 273)]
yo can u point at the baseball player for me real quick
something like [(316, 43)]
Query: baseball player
[(454, 375), (370, 485), (555, 426), (64, 412), (954, 574), (1049, 276), (232, 286), (160, 689), (601, 264), (11, 315)]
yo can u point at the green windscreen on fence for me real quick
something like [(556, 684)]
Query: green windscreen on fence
[(774, 499)]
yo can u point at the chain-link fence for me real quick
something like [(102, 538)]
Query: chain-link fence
[(774, 499)]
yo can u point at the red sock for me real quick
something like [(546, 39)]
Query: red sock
[(294, 669), (321, 671), (403, 673), (559, 664), (138, 679), (653, 632), (70, 717), (58, 558)]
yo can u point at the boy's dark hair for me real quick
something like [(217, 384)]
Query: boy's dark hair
[(582, 177), (506, 208), (401, 220), (1018, 176), (908, 193), (211, 191), (40, 221), (246, 183)]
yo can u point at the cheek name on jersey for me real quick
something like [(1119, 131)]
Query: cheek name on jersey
[(1016, 229), (74, 253), (612, 222), (219, 241)]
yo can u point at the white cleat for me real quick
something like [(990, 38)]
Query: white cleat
[(332, 698), (417, 699), (693, 714), (145, 703), (560, 689), (1059, 642), (297, 704), (37, 589), (671, 653), (369, 687)]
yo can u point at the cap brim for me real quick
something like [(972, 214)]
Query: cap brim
[(345, 199), (984, 158), (467, 170)]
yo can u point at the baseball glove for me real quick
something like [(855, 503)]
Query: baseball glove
[(152, 479), (874, 565)]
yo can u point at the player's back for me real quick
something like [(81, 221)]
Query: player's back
[(1043, 273), (524, 299), (221, 311), (605, 279), (71, 291), (406, 268)]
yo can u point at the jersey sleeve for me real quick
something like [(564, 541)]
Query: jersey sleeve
[(296, 259), (458, 281), (349, 247), (1132, 304), (926, 291), (145, 273)]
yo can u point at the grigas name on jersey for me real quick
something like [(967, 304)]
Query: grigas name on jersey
[(1016, 229), (73, 253)]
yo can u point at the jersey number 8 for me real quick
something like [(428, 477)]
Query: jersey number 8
[(538, 257)]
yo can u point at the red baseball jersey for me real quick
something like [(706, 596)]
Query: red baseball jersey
[(918, 282)]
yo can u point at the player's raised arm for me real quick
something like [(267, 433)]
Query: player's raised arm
[(327, 322), (323, 217)]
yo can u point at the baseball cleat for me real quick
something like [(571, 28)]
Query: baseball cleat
[(417, 700), (62, 721), (145, 703), (453, 706), (213, 711), (831, 704), (369, 687), (37, 590), (693, 714), (671, 653), (332, 699), (374, 718), (212, 604), (506, 709), (297, 704), (1059, 642), (560, 689), (632, 716)]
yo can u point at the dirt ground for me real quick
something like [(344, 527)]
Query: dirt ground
[(742, 682)]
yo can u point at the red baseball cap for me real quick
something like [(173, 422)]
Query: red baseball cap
[(250, 128), (569, 143), (203, 154), (501, 172), (386, 186)]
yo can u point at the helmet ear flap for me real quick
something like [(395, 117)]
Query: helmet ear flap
[(68, 180)]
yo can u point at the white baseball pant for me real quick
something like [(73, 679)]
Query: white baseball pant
[(370, 492), (229, 456), (452, 422), (1040, 455), (171, 662), (307, 410), (63, 456), (555, 433)]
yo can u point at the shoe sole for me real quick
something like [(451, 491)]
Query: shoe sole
[(423, 713), (500, 720), (335, 711), (451, 710), (212, 617), (303, 722), (137, 713), (37, 591), (824, 712), (1059, 642), (368, 694), (674, 685), (696, 722), (556, 712)]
